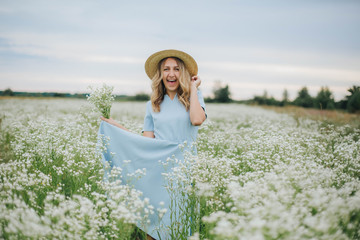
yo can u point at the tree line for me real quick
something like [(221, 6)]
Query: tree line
[(9, 92), (323, 100), (221, 94)]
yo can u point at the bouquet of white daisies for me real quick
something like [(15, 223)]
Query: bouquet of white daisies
[(102, 99)]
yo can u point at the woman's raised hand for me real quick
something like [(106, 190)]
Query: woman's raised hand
[(197, 114), (196, 81)]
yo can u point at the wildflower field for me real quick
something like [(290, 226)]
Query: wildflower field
[(258, 175)]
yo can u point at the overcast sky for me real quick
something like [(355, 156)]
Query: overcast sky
[(252, 46)]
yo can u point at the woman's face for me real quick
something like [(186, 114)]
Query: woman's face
[(171, 75)]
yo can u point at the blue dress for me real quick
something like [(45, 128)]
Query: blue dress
[(171, 127)]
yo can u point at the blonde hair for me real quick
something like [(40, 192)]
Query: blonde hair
[(158, 87)]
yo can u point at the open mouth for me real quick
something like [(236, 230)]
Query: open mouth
[(172, 81)]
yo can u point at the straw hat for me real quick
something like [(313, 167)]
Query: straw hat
[(152, 62)]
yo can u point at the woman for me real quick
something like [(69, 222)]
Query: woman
[(172, 116)]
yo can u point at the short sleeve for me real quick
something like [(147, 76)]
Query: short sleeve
[(148, 120), (201, 101)]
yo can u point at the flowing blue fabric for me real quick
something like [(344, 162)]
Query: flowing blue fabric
[(171, 127)]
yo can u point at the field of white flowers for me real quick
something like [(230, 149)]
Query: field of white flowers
[(258, 175)]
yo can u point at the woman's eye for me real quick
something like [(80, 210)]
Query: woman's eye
[(177, 69)]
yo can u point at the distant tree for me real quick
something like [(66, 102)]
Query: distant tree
[(324, 99), (341, 104), (265, 94), (79, 95), (259, 100), (8, 92), (304, 99), (271, 101), (285, 99), (208, 99), (57, 94), (266, 100), (221, 94), (353, 100), (142, 97)]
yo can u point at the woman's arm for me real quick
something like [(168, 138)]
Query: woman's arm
[(197, 113), (113, 122), (149, 134)]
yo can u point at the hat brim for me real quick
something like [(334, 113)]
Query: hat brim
[(152, 62)]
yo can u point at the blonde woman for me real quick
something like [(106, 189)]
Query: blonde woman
[(173, 115)]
